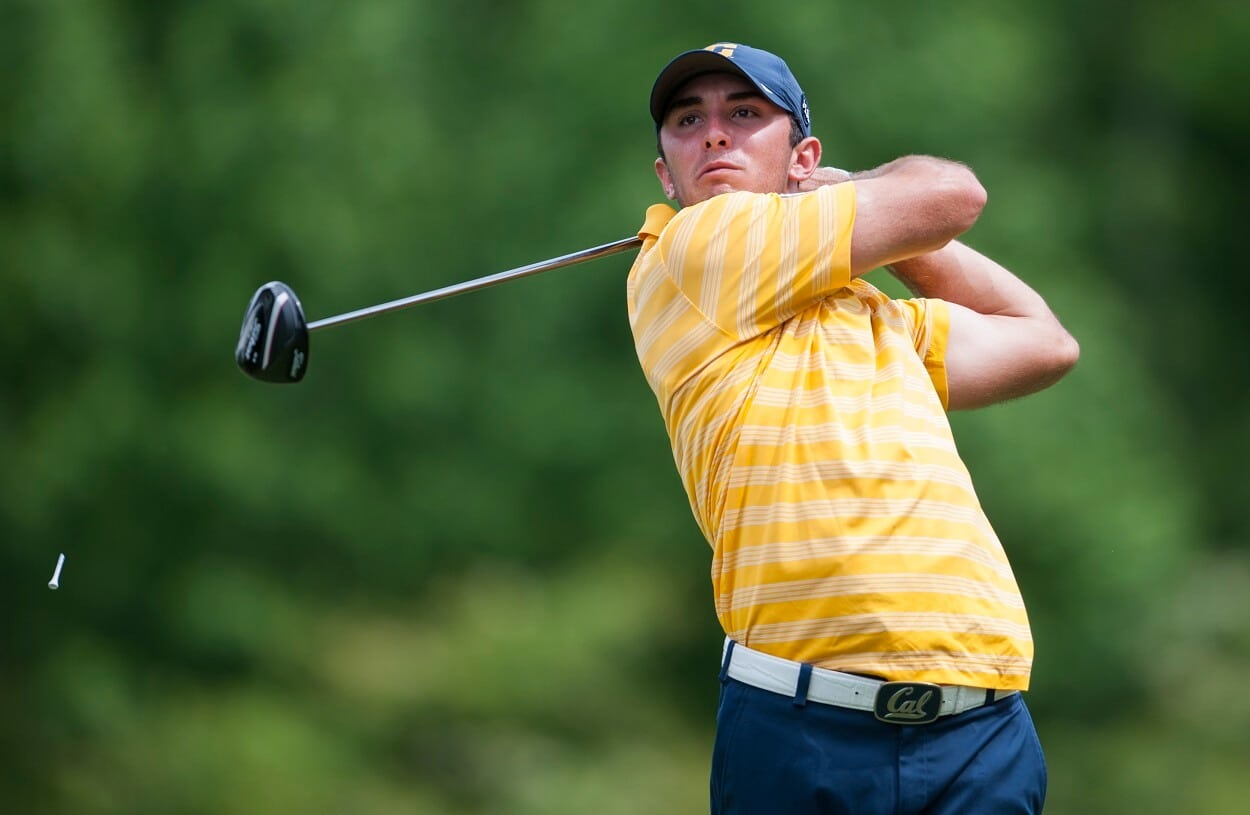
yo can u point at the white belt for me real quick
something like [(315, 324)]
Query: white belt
[(782, 676)]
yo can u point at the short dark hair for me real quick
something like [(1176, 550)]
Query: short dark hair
[(796, 136)]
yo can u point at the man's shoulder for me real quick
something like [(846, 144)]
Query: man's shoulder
[(729, 212), (658, 217)]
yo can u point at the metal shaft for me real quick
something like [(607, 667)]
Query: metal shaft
[(481, 282)]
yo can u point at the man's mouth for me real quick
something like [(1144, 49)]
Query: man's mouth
[(716, 166)]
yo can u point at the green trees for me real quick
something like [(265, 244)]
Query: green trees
[(453, 570)]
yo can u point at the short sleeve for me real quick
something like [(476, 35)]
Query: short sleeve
[(929, 321), (751, 261)]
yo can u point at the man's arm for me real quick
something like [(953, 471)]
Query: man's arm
[(908, 207), (1004, 340)]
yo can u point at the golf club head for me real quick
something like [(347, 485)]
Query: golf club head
[(273, 342)]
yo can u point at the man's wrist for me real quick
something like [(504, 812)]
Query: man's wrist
[(837, 176), (823, 177)]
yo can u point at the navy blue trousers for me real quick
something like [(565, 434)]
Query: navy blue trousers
[(775, 757)]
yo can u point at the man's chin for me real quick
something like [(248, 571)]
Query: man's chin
[(706, 193)]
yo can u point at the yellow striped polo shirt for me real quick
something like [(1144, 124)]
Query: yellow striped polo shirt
[(807, 417)]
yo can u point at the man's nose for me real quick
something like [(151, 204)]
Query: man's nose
[(716, 136)]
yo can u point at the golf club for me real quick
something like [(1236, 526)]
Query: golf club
[(273, 342)]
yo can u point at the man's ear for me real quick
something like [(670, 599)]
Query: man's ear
[(804, 160), (666, 179)]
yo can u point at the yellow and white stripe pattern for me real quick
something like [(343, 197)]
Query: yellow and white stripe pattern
[(807, 417)]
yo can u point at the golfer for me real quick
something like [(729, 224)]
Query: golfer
[(876, 640)]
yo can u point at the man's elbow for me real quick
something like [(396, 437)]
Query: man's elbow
[(1069, 354), (1053, 353), (968, 197), (1062, 354), (959, 195)]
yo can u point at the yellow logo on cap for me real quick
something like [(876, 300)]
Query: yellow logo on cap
[(725, 49)]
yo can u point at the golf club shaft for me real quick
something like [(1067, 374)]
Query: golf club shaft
[(481, 282)]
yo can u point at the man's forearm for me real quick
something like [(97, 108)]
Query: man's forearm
[(960, 274), (1004, 340), (825, 176)]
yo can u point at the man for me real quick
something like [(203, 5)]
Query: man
[(876, 641)]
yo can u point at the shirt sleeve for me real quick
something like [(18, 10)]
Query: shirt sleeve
[(929, 320), (751, 261)]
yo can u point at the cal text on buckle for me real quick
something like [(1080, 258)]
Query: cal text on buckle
[(908, 702)]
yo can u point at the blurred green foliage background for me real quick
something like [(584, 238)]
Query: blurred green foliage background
[(453, 571)]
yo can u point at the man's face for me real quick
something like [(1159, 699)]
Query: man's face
[(720, 135)]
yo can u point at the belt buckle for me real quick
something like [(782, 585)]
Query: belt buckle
[(908, 702)]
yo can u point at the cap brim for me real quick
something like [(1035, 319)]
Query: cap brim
[(681, 70)]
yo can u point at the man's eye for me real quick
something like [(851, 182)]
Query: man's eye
[(687, 119), (744, 113)]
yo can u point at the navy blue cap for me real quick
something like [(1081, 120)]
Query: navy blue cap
[(766, 71)]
